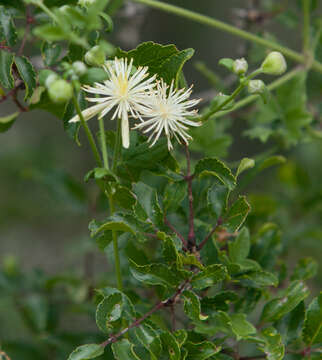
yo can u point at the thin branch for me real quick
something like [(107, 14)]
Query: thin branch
[(136, 323), (203, 243), (171, 227), (188, 178)]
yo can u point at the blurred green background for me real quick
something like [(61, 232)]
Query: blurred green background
[(45, 207)]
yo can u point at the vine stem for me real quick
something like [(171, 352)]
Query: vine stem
[(88, 132), (251, 98), (136, 323), (306, 25), (206, 20), (241, 86), (103, 143), (188, 178)]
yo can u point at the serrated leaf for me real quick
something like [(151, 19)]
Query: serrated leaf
[(50, 53), (27, 73), (217, 197), (149, 338), (164, 60), (7, 26), (171, 345), (292, 296), (239, 249), (312, 330), (305, 269), (237, 214), (201, 351), (6, 61), (192, 306), (7, 121), (124, 350), (214, 167), (209, 276), (88, 351), (108, 311), (245, 164)]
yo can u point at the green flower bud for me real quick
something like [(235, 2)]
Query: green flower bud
[(50, 79), (256, 87), (274, 64), (79, 68), (95, 56), (240, 66), (44, 75), (60, 91)]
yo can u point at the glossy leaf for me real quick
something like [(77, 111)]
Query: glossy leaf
[(237, 214), (27, 73), (201, 351), (239, 249), (88, 351), (171, 345), (217, 197), (124, 350), (312, 330), (245, 164), (149, 338), (192, 306), (6, 61), (7, 121), (209, 276), (108, 311), (292, 296), (7, 26), (271, 344)]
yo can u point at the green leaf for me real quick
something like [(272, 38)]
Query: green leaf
[(305, 269), (245, 164), (261, 278), (239, 249), (181, 336), (227, 63), (27, 73), (124, 197), (169, 250), (50, 32), (35, 312), (88, 351), (174, 194), (291, 297), (208, 277), (214, 167), (7, 121), (240, 326), (7, 26), (221, 301), (116, 226), (201, 351), (156, 274), (108, 311), (164, 60), (149, 338), (237, 214), (312, 330), (291, 324), (271, 344), (271, 161), (192, 306), (171, 345), (124, 350), (100, 174), (6, 61), (217, 197), (50, 53)]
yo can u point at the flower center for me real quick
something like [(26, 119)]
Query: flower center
[(123, 86), (164, 110)]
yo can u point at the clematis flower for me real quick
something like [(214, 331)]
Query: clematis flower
[(123, 91), (168, 109)]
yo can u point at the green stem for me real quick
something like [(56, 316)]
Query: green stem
[(103, 143), (88, 132), (306, 25), (112, 208), (206, 20), (251, 98), (48, 11), (241, 86)]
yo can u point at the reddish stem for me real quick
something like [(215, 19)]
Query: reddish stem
[(203, 243), (170, 226)]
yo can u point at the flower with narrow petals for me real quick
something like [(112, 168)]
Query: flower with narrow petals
[(123, 91), (168, 109)]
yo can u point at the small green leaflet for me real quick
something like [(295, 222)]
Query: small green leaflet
[(209, 276), (108, 311), (149, 338), (85, 352), (6, 61), (124, 350), (192, 306), (8, 27), (27, 73), (312, 330)]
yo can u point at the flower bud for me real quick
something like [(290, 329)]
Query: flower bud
[(95, 56), (240, 66), (274, 64), (79, 68), (50, 79), (60, 91), (256, 87), (44, 75)]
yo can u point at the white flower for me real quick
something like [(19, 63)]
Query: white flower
[(168, 110), (122, 91)]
